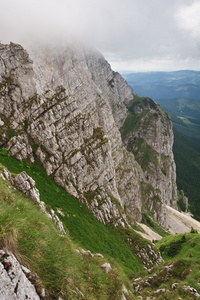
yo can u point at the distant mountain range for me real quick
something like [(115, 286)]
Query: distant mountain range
[(165, 85)]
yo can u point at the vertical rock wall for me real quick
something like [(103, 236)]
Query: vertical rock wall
[(66, 107)]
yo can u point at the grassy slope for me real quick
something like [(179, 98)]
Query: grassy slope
[(26, 231), (83, 227), (181, 251)]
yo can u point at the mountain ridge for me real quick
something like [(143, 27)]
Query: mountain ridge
[(72, 127)]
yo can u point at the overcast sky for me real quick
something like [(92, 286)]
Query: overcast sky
[(133, 35)]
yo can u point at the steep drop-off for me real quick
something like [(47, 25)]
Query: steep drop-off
[(65, 108)]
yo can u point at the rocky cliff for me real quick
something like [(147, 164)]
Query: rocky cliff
[(16, 280), (66, 108)]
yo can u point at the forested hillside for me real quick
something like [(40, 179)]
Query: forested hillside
[(187, 157)]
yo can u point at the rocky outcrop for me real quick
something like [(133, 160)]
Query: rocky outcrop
[(151, 141), (24, 183), (66, 107), (14, 282)]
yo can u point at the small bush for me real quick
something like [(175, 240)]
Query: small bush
[(185, 273), (173, 248), (193, 230), (162, 248), (181, 269)]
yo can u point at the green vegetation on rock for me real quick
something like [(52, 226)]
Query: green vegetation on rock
[(38, 245), (83, 227), (178, 276)]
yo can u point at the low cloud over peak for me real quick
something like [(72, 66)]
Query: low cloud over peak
[(132, 34)]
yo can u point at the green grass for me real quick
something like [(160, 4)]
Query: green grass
[(82, 226), (144, 154), (181, 252), (148, 220), (132, 118), (35, 240)]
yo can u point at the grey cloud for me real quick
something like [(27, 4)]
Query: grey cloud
[(146, 31)]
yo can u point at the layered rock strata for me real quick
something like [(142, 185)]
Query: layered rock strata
[(66, 107), (14, 280)]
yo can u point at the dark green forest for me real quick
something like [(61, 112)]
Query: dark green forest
[(187, 158)]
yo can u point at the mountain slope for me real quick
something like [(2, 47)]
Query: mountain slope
[(36, 242), (65, 109), (184, 112)]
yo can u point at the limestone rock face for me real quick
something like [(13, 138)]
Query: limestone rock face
[(66, 107), (26, 184), (14, 284), (151, 142)]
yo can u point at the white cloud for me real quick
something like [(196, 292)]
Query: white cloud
[(149, 33), (188, 18)]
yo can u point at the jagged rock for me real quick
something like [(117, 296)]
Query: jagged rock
[(147, 283), (13, 282), (79, 293), (107, 267), (99, 255), (174, 286), (168, 268), (7, 175), (18, 147), (123, 297), (86, 253), (70, 105), (156, 136), (160, 291), (191, 290), (124, 289), (25, 270), (197, 295), (138, 288), (2, 176), (60, 212), (26, 184), (138, 279), (57, 221)]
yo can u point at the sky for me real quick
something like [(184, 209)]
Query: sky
[(133, 35)]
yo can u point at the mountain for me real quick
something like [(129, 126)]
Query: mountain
[(165, 85), (65, 107), (96, 152), (41, 261), (178, 94)]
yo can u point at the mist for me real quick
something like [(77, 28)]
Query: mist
[(132, 34)]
